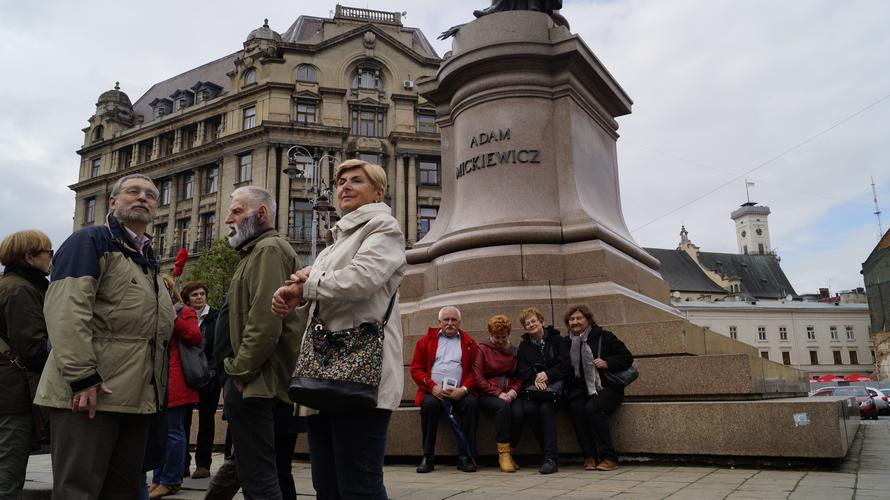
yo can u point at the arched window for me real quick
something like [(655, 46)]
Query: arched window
[(98, 133), (249, 76), (367, 77), (307, 73)]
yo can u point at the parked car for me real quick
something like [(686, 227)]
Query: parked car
[(867, 408), (881, 401)]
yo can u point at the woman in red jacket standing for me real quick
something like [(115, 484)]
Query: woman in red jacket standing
[(497, 385), (167, 478)]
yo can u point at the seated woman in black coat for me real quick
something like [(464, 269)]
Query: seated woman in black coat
[(591, 399), (543, 365)]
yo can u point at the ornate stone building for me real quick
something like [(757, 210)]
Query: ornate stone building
[(339, 88)]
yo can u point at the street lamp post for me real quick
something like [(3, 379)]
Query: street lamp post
[(318, 189)]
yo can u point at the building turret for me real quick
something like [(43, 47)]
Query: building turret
[(752, 228), (114, 112)]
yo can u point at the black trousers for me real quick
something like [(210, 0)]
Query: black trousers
[(541, 417), (590, 418), (346, 453), (508, 418), (466, 410), (260, 450), (207, 407), (100, 457)]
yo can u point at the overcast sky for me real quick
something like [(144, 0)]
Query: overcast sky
[(795, 94)]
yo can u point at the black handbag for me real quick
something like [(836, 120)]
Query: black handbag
[(553, 393), (339, 371), (623, 377), (193, 361)]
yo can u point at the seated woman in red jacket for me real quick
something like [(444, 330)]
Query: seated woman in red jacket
[(497, 385)]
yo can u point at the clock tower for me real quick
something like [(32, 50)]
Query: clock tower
[(752, 229)]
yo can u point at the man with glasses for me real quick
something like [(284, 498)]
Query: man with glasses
[(109, 318), (442, 368)]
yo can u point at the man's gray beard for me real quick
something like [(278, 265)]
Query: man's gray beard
[(133, 216), (246, 229)]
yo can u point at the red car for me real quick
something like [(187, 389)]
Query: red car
[(867, 408)]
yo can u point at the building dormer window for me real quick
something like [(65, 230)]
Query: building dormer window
[(249, 77), (161, 107), (367, 78), (307, 73), (98, 133), (205, 91), (182, 99)]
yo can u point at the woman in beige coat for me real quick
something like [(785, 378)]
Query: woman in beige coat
[(350, 283)]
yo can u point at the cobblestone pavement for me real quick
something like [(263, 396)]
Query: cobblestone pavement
[(864, 474)]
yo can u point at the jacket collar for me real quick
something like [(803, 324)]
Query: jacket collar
[(122, 240), (358, 217), (247, 247), (30, 274)]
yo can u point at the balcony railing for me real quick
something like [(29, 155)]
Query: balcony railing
[(374, 16)]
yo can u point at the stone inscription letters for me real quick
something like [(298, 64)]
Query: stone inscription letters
[(493, 159)]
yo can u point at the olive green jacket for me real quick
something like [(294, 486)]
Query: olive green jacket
[(109, 319), (265, 347)]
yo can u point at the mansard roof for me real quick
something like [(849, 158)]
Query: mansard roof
[(306, 27), (214, 71), (761, 275), (682, 273)]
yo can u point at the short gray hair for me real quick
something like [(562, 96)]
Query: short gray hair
[(442, 311), (258, 196), (116, 189)]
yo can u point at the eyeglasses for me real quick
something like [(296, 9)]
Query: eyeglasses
[(51, 252)]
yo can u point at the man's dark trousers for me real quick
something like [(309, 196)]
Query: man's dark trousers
[(113, 444), (466, 410), (252, 423)]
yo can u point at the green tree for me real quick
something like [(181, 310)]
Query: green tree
[(214, 267)]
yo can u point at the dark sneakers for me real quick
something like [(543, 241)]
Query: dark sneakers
[(466, 464), (426, 465), (549, 466)]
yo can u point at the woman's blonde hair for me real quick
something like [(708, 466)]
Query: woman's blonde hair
[(528, 313), (19, 245), (375, 173), (499, 323)]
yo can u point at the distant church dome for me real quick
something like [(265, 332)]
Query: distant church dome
[(264, 32), (115, 96)]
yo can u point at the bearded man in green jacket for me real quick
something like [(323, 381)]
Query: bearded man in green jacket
[(265, 347)]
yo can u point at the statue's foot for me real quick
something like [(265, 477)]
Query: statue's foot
[(480, 13)]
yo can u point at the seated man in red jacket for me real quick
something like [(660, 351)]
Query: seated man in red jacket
[(442, 368)]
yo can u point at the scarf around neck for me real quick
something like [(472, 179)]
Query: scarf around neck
[(582, 356)]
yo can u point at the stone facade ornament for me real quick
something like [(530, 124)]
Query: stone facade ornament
[(370, 39)]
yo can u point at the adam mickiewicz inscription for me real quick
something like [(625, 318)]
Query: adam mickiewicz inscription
[(487, 160)]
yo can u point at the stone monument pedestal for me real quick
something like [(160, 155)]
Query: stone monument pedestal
[(531, 216)]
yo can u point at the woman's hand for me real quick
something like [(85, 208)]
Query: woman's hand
[(301, 276), (541, 380), (287, 298), (601, 364)]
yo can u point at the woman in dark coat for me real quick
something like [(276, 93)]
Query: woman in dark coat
[(26, 256), (543, 363), (591, 399)]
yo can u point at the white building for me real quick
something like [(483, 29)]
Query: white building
[(746, 296)]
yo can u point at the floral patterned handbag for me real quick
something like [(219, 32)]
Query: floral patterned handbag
[(339, 371)]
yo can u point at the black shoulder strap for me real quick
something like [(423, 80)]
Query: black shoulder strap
[(392, 302)]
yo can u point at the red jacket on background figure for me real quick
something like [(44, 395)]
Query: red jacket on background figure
[(425, 355), (186, 329), (494, 371)]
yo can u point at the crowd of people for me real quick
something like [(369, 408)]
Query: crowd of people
[(106, 335)]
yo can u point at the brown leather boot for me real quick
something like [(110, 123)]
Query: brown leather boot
[(504, 458), (515, 465)]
